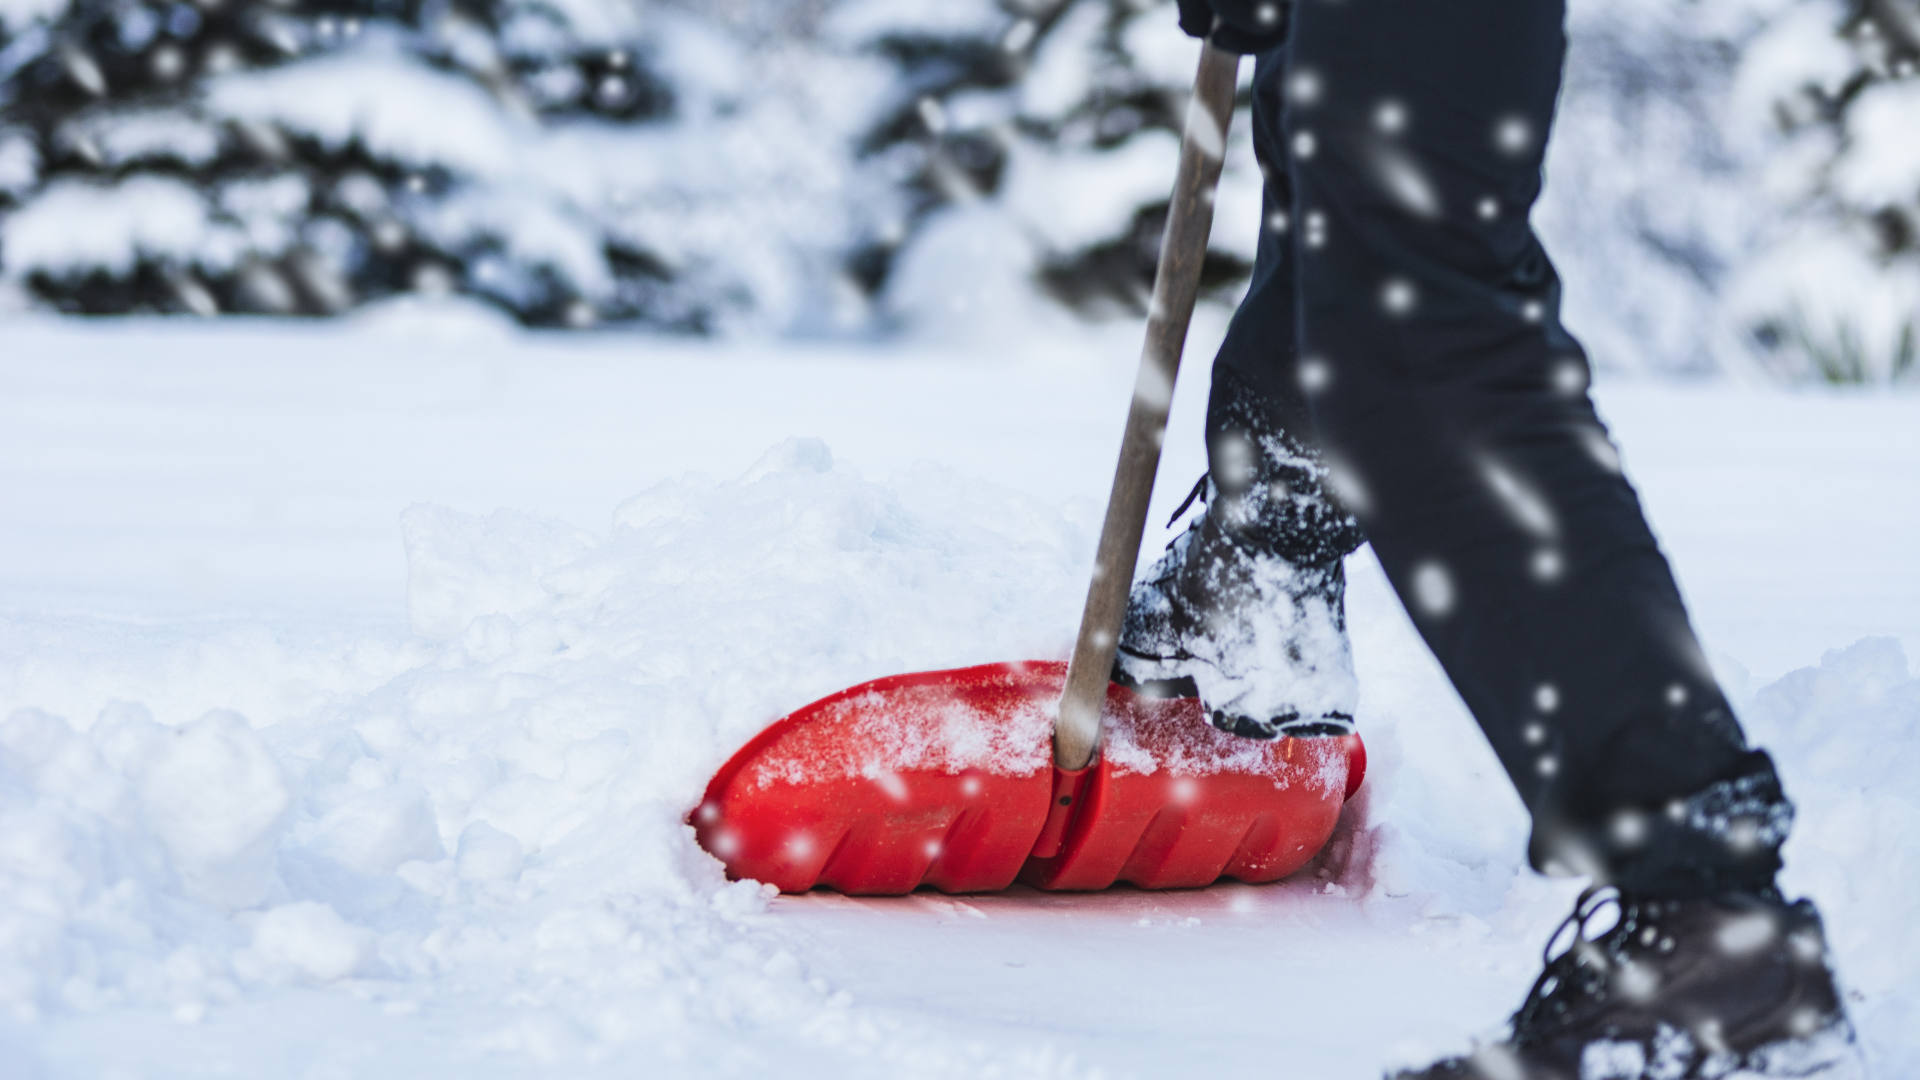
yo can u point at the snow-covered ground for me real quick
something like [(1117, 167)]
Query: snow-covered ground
[(356, 679)]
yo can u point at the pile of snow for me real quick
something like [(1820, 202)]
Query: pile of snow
[(503, 817), (1847, 737)]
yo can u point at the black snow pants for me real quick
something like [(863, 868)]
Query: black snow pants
[(1403, 318)]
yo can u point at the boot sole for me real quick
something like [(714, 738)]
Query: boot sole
[(1158, 689)]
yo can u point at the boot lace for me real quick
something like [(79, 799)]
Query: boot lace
[(1198, 494), (1575, 982)]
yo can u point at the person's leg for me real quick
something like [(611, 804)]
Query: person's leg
[(1259, 357), (1260, 442), (1453, 406), (1402, 327), (1246, 610)]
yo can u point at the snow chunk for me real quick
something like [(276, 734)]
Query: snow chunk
[(487, 854), (583, 728), (215, 798), (1846, 737), (792, 456), (312, 941), (460, 567), (580, 929), (378, 831), (47, 754)]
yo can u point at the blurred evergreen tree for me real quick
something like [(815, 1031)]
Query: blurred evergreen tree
[(307, 156), (1837, 297), (145, 167), (707, 164), (1035, 105)]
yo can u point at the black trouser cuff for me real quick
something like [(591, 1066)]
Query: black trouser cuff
[(1723, 838)]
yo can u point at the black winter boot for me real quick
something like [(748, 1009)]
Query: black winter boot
[(1245, 611), (1734, 987)]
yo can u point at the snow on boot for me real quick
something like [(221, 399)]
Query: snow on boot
[(1734, 987), (1246, 609)]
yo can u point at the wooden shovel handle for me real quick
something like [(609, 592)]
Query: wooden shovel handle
[(1176, 284)]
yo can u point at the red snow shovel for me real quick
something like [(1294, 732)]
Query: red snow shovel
[(971, 779)]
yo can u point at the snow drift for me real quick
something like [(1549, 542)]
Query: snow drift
[(494, 811), (505, 815)]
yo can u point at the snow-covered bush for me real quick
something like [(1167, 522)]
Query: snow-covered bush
[(1703, 198), (1648, 204), (1733, 185), (569, 161), (764, 163), (1836, 296), (1731, 188), (1050, 127)]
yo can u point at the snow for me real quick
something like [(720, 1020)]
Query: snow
[(1881, 163), (266, 209), (15, 15), (1063, 66), (309, 940), (74, 226), (1797, 50), (378, 99), (19, 162), (936, 735), (355, 681), (860, 21), (965, 278), (1163, 52), (1076, 199), (121, 138), (1836, 303)]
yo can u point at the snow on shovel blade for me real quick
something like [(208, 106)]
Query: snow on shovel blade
[(939, 778), (946, 779)]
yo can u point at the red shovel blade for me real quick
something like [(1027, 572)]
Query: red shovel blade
[(946, 778)]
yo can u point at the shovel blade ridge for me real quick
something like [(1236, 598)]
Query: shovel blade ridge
[(945, 779)]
